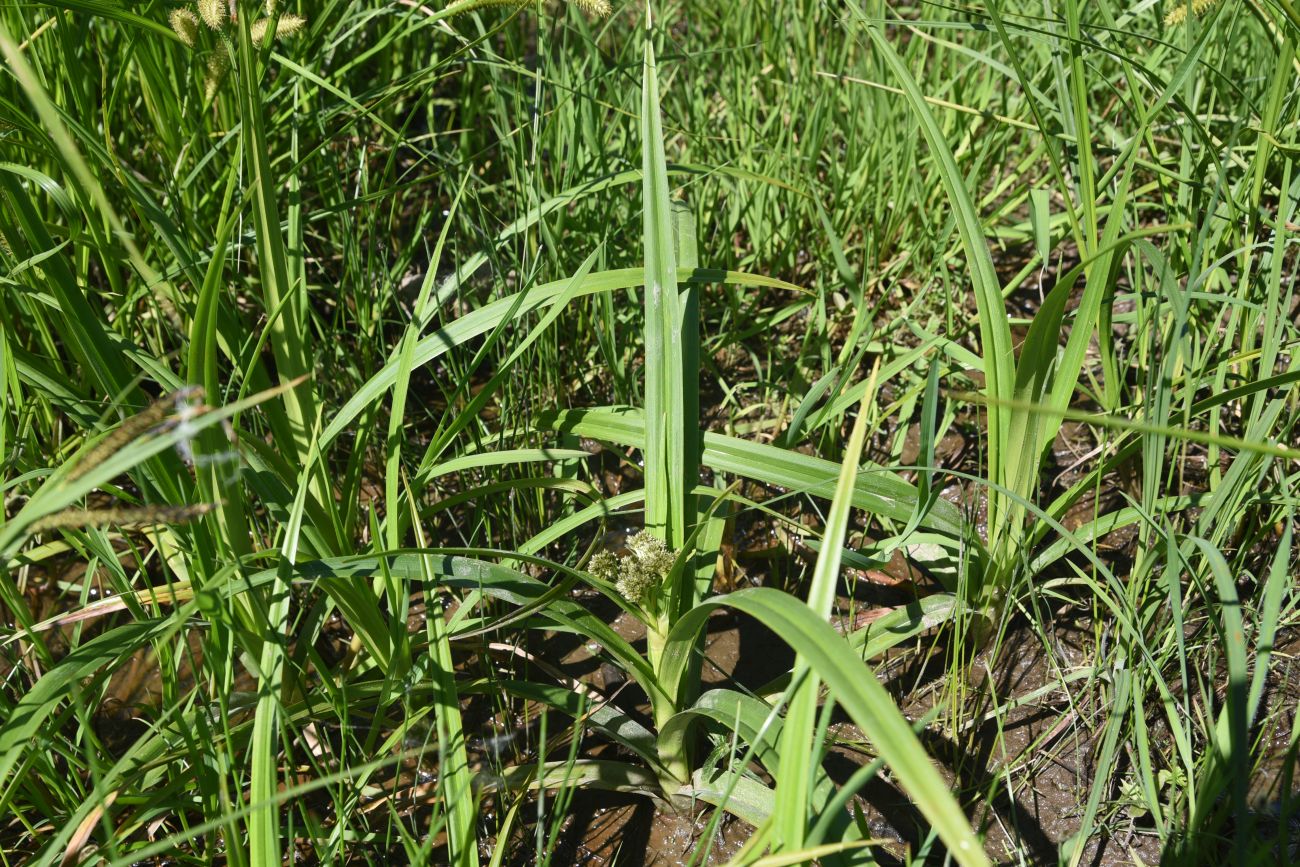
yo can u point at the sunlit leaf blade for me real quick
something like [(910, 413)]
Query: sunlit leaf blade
[(856, 689), (876, 491)]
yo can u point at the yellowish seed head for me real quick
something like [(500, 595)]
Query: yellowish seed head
[(213, 13), (287, 26), (218, 66), (459, 7), (186, 25), (1178, 12), (131, 429), (597, 8)]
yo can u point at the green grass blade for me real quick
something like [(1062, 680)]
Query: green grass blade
[(284, 292), (667, 419), (489, 316), (856, 689), (880, 492), (455, 776), (401, 386), (264, 842), (798, 752), (25, 719), (995, 332)]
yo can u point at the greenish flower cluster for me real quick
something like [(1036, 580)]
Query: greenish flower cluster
[(647, 562)]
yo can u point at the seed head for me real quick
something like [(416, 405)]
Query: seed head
[(128, 431), (186, 25), (1178, 12), (218, 66), (121, 516), (213, 12), (596, 8), (604, 565), (287, 26), (647, 563), (458, 7), (638, 572), (649, 549)]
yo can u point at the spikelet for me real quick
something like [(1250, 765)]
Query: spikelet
[(218, 66), (270, 7), (129, 430), (287, 26), (136, 516), (462, 6), (1178, 13), (186, 25), (596, 8), (213, 12)]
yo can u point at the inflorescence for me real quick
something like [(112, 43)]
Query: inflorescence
[(1178, 13), (638, 572), (219, 17)]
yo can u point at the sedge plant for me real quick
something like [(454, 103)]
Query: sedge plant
[(238, 383)]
